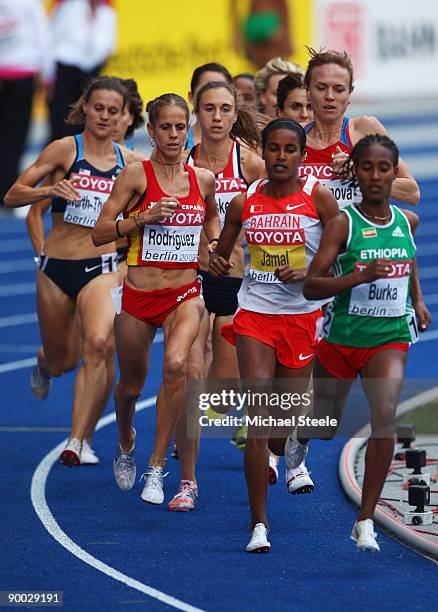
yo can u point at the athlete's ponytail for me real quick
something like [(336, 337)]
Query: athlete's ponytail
[(246, 127), (77, 116)]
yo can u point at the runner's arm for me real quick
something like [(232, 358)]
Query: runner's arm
[(35, 223), (317, 285), (219, 260), (212, 226), (423, 315), (128, 187), (23, 191)]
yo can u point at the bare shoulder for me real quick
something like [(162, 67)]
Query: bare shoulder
[(61, 148), (412, 218), (130, 156), (363, 125), (132, 173), (205, 178), (253, 166)]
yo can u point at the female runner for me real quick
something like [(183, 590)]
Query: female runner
[(282, 218), (165, 204), (329, 80), (369, 325), (74, 277)]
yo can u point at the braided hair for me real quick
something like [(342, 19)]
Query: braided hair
[(348, 172)]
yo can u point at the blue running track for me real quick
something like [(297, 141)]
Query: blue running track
[(151, 557)]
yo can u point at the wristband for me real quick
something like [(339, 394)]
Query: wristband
[(213, 240), (118, 234)]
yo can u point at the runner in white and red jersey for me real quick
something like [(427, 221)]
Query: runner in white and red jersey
[(165, 204), (274, 329), (329, 80)]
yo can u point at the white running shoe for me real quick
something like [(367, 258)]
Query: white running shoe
[(364, 535), (153, 485), (39, 384), (294, 451), (88, 456), (298, 480), (71, 455), (124, 468), (273, 468), (259, 540)]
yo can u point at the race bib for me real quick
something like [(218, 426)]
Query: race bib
[(226, 190), (170, 243), (342, 192), (273, 241), (94, 192), (385, 297)]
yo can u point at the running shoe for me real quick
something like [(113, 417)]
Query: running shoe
[(239, 438), (153, 485), (88, 456), (298, 480), (212, 414), (259, 540), (273, 468), (364, 535), (185, 499), (71, 455), (294, 451), (39, 384), (124, 467)]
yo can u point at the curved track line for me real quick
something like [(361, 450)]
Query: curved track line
[(39, 502)]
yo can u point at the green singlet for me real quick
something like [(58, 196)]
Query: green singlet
[(376, 313)]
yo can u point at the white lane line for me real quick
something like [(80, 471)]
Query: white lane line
[(19, 348), (27, 363), (33, 429), (19, 265), (17, 365), (18, 289), (15, 246), (23, 319), (39, 502)]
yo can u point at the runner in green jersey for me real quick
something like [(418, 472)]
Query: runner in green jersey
[(369, 325)]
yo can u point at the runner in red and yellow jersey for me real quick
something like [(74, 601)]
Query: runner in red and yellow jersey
[(165, 205)]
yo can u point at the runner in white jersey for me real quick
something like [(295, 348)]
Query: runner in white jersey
[(74, 276), (274, 329), (329, 80)]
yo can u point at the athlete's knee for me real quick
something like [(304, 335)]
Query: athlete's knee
[(97, 348), (174, 367), (56, 368), (129, 389)]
